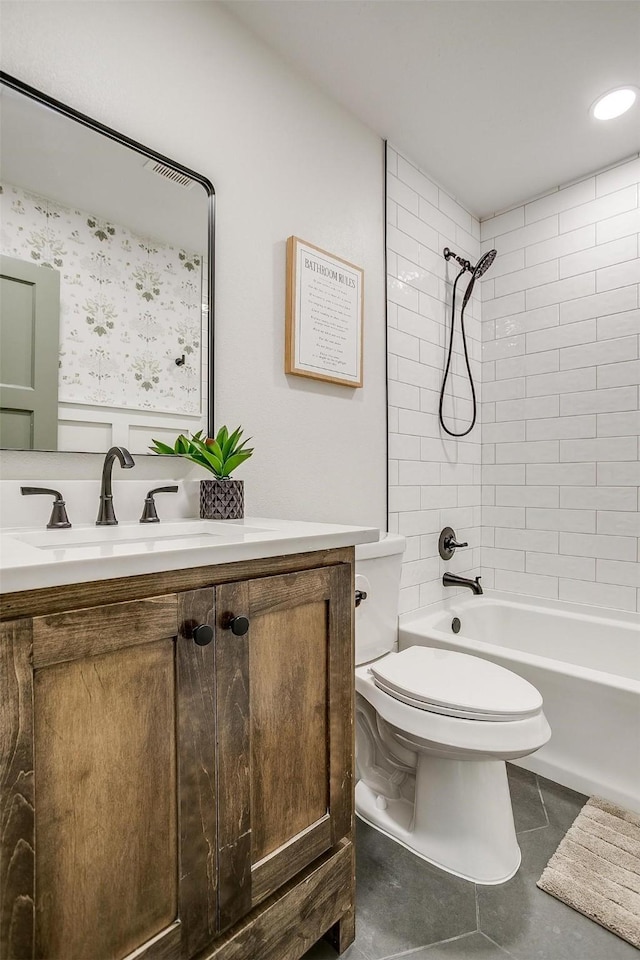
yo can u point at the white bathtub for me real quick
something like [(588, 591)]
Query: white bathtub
[(584, 661)]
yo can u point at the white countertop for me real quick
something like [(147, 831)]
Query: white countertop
[(33, 558)]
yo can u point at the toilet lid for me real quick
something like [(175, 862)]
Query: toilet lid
[(456, 684)]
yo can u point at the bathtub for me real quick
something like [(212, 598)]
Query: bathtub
[(584, 661)]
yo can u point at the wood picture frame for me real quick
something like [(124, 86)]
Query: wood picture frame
[(324, 317)]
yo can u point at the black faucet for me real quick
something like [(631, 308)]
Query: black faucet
[(106, 513), (453, 580)]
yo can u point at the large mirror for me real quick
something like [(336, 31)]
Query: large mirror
[(106, 284)]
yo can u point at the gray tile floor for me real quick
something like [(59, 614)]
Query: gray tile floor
[(407, 908)]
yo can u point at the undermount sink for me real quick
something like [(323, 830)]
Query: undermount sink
[(118, 538)]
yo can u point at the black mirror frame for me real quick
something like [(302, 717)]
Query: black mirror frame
[(14, 84)]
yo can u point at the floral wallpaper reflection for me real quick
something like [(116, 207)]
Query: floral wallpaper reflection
[(129, 306)]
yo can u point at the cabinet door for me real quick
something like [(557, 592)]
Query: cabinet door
[(107, 780), (284, 694)]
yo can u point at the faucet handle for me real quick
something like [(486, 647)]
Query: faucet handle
[(447, 543), (149, 513), (59, 518), (453, 544)]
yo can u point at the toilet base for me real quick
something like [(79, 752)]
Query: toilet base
[(462, 822)]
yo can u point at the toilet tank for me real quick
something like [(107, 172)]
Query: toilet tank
[(378, 568)]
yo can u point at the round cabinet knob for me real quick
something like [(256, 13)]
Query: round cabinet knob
[(202, 634), (238, 625)]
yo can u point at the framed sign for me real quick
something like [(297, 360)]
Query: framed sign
[(324, 315)]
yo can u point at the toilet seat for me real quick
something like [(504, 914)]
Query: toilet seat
[(456, 685), (450, 736)]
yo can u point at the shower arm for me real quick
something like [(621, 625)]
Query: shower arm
[(449, 254)]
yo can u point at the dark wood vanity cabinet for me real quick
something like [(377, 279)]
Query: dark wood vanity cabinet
[(174, 793)]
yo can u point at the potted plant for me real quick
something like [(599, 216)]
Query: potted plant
[(221, 498)]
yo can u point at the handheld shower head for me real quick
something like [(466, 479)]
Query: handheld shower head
[(480, 268), (484, 263)]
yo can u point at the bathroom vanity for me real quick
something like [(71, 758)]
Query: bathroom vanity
[(177, 762)]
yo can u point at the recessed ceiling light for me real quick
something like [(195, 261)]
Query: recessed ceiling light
[(614, 103)]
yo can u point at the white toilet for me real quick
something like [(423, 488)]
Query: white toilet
[(433, 730)]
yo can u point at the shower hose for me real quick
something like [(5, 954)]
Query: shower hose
[(452, 433)]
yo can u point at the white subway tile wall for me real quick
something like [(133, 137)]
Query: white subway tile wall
[(434, 480), (546, 488), (566, 342)]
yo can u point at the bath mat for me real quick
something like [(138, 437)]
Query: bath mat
[(596, 868)]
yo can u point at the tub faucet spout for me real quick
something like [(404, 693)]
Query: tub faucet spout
[(453, 580), (106, 513)]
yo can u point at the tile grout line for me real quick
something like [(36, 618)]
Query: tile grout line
[(425, 946), (496, 944), (544, 806), (533, 829)]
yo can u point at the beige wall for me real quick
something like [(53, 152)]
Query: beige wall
[(188, 80)]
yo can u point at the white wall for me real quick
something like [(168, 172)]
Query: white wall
[(561, 375), (188, 80), (559, 381), (434, 480)]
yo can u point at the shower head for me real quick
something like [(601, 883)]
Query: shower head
[(481, 266), (484, 263)]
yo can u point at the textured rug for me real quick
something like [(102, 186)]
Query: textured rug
[(596, 868)]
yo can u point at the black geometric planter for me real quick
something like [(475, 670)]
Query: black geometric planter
[(221, 499)]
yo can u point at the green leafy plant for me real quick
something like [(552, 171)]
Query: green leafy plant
[(220, 455)]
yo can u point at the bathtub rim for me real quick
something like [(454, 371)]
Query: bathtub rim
[(410, 622), (526, 600)]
